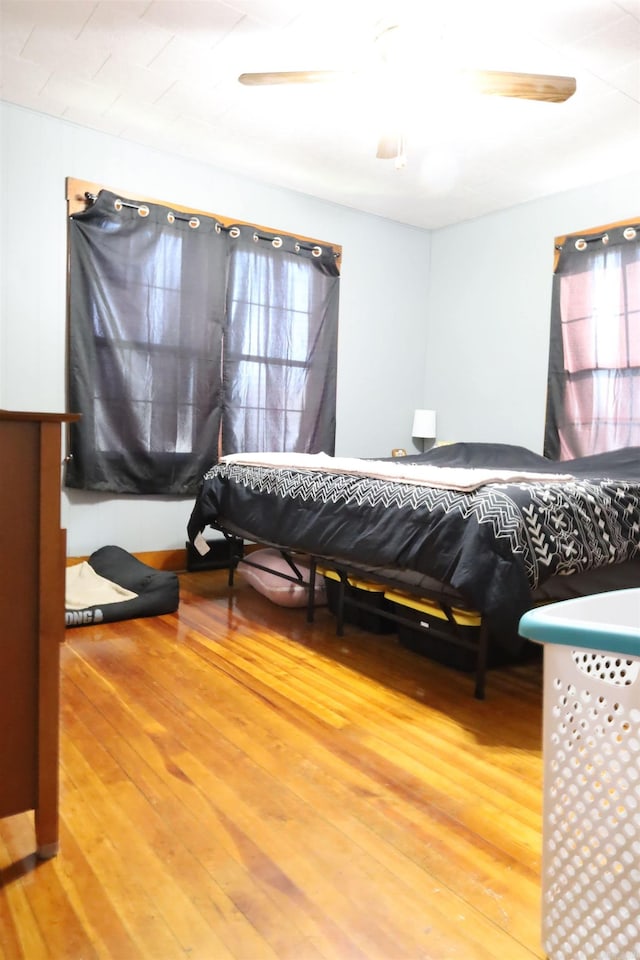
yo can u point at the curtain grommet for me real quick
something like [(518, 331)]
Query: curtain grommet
[(276, 242), (630, 233), (143, 211), (194, 223), (234, 232), (316, 251), (118, 205), (171, 217), (581, 244), (605, 239)]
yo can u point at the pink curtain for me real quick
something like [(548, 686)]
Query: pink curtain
[(593, 399)]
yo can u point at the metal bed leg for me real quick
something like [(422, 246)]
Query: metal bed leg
[(340, 606), (311, 599), (235, 555), (481, 662)]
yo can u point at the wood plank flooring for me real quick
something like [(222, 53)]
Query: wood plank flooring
[(237, 784)]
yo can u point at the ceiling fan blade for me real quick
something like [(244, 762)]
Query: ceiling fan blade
[(526, 86), (291, 76)]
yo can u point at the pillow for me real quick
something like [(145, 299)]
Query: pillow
[(285, 593)]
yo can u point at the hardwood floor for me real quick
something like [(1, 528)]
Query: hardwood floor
[(239, 785)]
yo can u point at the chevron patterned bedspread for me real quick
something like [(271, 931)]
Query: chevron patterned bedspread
[(494, 544)]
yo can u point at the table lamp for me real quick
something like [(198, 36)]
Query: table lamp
[(424, 425)]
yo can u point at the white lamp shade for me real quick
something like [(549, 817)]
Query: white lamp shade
[(424, 424)]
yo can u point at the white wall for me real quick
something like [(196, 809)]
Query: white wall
[(489, 310), (457, 320), (383, 322)]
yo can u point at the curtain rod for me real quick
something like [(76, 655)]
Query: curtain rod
[(143, 206), (232, 230), (582, 242)]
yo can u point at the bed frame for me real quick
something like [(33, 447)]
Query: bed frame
[(622, 576), (348, 599)]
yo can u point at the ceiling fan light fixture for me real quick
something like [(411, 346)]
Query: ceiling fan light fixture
[(388, 42), (394, 75), (400, 159)]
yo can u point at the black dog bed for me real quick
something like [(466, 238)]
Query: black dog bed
[(156, 591)]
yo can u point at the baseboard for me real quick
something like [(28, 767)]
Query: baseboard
[(159, 559), (169, 559)]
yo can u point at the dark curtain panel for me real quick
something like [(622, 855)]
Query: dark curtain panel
[(280, 349), (593, 397), (147, 303)]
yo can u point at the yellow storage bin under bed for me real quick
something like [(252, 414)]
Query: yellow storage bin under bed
[(364, 600)]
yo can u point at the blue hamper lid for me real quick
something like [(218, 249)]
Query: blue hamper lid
[(602, 621)]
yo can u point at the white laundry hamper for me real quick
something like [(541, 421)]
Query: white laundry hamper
[(591, 751)]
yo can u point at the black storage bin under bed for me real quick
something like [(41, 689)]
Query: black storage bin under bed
[(449, 635), (363, 602)]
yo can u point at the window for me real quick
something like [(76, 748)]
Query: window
[(279, 353), (161, 305), (593, 401)]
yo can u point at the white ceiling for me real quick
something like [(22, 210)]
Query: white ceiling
[(164, 73)]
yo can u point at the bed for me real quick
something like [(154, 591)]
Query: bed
[(494, 528)]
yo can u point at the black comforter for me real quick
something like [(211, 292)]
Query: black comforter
[(494, 545)]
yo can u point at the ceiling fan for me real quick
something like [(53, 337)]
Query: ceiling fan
[(524, 86)]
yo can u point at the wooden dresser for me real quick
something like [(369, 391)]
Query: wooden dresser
[(32, 584)]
